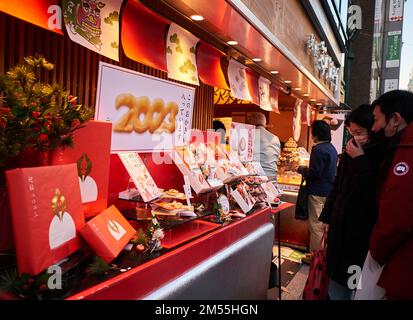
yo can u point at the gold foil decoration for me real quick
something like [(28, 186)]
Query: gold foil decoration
[(59, 204)]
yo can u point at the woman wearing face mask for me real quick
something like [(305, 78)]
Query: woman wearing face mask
[(351, 209)]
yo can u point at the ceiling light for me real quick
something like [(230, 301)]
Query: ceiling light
[(287, 81), (256, 59), (306, 95), (313, 100), (196, 17), (297, 89), (274, 72), (232, 43)]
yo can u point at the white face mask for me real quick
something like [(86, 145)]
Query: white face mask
[(362, 139)]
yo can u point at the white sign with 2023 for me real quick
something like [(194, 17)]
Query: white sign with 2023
[(147, 113)]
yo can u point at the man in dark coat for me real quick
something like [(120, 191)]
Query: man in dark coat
[(351, 209)]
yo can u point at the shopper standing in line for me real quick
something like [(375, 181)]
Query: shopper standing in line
[(351, 209), (319, 177), (391, 243)]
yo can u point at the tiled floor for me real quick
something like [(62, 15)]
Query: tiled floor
[(295, 287)]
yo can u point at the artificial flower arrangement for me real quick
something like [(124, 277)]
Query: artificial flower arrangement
[(35, 115)]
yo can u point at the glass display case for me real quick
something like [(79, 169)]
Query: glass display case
[(290, 159)]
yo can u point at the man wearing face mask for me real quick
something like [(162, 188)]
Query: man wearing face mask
[(351, 210), (391, 242)]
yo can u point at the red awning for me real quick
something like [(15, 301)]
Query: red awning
[(209, 66), (143, 35), (34, 11)]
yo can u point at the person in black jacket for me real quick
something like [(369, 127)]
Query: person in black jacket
[(351, 209), (319, 177)]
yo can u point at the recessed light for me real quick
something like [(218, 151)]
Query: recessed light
[(313, 100), (319, 104), (274, 72), (287, 81), (297, 89), (197, 17), (306, 95), (232, 43), (256, 59)]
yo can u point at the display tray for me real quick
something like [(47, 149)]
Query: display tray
[(185, 232)]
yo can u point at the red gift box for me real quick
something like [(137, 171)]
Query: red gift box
[(91, 153), (108, 233), (46, 213)]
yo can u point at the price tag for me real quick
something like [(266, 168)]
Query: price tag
[(186, 179), (188, 194)]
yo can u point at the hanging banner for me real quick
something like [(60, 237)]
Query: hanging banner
[(147, 113), (252, 80), (208, 61), (391, 84), (42, 13), (264, 89), (238, 81), (135, 18), (394, 45), (396, 10), (181, 55), (94, 24), (297, 119), (336, 122), (274, 93), (305, 113)]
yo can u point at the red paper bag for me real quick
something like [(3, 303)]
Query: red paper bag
[(91, 153), (108, 233), (46, 213), (316, 287)]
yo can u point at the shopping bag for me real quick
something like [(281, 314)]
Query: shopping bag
[(369, 290), (316, 287), (301, 208)]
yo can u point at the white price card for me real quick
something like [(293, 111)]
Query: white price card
[(140, 176)]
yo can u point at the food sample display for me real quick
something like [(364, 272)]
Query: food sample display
[(290, 159), (290, 154)]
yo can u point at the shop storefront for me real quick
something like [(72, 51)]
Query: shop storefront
[(112, 175)]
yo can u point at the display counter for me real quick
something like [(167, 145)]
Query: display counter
[(293, 232), (227, 263)]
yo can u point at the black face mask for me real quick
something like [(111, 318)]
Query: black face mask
[(378, 137)]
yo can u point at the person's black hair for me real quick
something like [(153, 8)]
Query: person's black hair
[(218, 125), (363, 116), (347, 122), (399, 101), (321, 130)]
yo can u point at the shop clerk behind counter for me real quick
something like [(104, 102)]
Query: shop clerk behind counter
[(267, 146)]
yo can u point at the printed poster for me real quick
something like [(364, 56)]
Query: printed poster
[(237, 77), (94, 24), (241, 140), (181, 55), (336, 122), (147, 113)]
